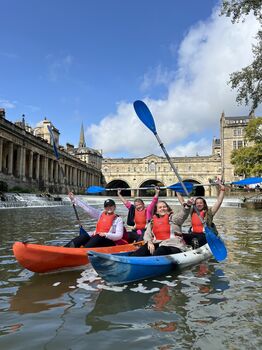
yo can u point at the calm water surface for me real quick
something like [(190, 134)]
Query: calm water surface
[(208, 306)]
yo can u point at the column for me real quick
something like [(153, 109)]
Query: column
[(30, 172), (52, 177), (37, 165), (10, 158), (1, 154), (56, 172)]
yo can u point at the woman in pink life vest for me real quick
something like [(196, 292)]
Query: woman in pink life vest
[(109, 228), (138, 215), (163, 235)]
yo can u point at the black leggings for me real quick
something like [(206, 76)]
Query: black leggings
[(133, 236), (201, 237), (162, 250), (90, 242)]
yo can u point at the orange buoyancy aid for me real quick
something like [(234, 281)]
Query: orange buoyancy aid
[(161, 227), (140, 219), (197, 226), (105, 222)]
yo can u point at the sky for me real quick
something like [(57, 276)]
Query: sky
[(87, 61)]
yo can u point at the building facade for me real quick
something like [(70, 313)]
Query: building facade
[(154, 170), (27, 160)]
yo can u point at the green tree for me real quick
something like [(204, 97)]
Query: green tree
[(248, 160), (248, 80)]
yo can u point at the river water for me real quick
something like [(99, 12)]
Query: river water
[(208, 306)]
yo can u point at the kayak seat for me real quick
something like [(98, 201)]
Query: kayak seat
[(121, 242)]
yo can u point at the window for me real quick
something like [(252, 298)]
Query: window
[(152, 167), (239, 144), (234, 145)]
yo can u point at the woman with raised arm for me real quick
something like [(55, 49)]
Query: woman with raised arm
[(138, 215), (109, 228), (196, 236), (163, 235)]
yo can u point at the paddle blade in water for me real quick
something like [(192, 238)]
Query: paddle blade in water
[(145, 115), (216, 245), (83, 231)]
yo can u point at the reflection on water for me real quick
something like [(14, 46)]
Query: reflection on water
[(208, 306), (42, 292)]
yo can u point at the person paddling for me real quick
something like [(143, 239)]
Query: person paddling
[(109, 228), (138, 215)]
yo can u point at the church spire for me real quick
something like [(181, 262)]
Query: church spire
[(82, 142)]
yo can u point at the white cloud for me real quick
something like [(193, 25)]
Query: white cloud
[(7, 104), (196, 97), (58, 67), (155, 77)]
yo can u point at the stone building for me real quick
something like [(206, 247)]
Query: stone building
[(154, 170), (232, 132), (27, 160)]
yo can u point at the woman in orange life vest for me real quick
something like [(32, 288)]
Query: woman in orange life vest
[(109, 227), (163, 234), (138, 215), (196, 236)]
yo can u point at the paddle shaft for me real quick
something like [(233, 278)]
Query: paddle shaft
[(177, 174)]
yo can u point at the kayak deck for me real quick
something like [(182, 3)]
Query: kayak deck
[(122, 268), (42, 258)]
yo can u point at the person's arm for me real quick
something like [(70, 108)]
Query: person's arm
[(182, 215), (148, 238), (117, 230), (123, 200), (93, 212), (219, 200), (180, 198), (151, 207)]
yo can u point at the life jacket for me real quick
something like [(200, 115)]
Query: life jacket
[(197, 225), (161, 227), (140, 219), (136, 218), (105, 222)]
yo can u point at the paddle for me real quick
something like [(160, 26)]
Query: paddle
[(175, 187), (82, 231), (216, 245)]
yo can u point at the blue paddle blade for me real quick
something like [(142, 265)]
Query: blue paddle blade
[(82, 231), (53, 139), (95, 189), (145, 115), (248, 181), (216, 244), (179, 188)]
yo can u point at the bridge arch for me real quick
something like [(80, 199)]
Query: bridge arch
[(150, 192), (118, 184)]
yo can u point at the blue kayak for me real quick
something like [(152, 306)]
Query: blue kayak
[(122, 268)]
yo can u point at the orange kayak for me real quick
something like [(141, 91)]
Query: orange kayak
[(42, 258)]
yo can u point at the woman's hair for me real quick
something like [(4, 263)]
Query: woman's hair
[(139, 200), (169, 209), (204, 201)]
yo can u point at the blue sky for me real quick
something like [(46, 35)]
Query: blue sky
[(88, 61)]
